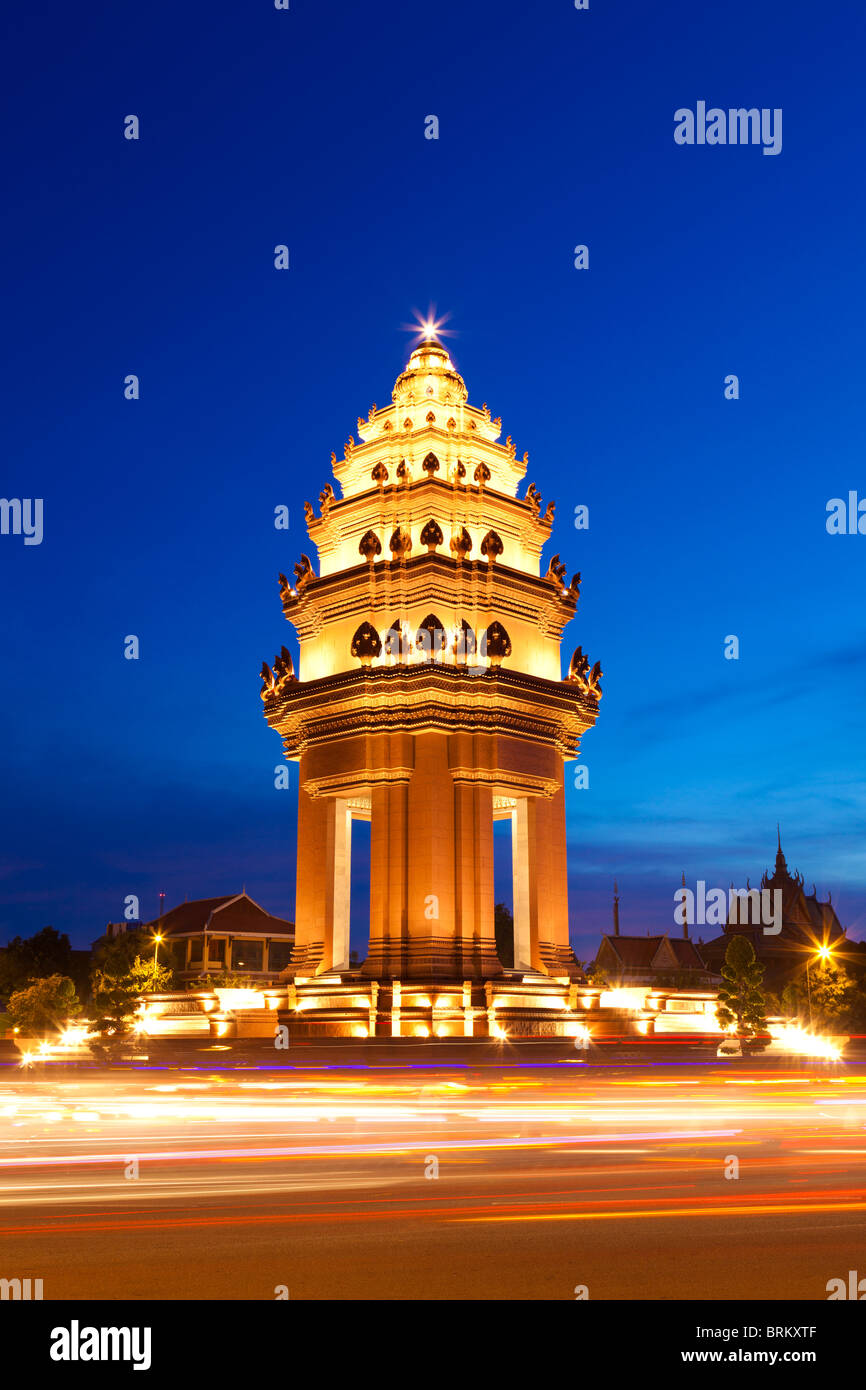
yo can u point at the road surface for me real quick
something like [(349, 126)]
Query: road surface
[(498, 1176)]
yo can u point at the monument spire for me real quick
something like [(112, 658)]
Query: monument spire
[(615, 910)]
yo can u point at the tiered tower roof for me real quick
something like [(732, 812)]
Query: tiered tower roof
[(427, 556)]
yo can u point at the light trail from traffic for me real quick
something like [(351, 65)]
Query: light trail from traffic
[(87, 1157)]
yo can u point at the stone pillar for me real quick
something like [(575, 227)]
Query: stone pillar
[(474, 888), (541, 885), (433, 949), (338, 871), (554, 948), (395, 1009), (468, 1011), (373, 1014), (323, 885), (389, 880), (525, 886), (308, 950)]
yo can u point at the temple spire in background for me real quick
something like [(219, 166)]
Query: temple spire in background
[(781, 862), (685, 910)]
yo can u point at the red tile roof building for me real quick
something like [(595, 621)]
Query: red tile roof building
[(233, 933)]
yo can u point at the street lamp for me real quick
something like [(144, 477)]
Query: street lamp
[(156, 940), (823, 953)]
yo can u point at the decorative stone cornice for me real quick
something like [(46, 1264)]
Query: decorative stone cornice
[(416, 698), (373, 506), (435, 577)]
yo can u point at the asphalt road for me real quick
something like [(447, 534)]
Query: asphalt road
[(503, 1176)]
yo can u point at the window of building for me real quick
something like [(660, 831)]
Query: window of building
[(279, 954), (216, 952), (173, 954), (247, 955)]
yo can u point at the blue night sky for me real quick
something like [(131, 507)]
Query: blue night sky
[(707, 516)]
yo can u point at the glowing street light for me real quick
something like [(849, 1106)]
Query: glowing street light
[(823, 953)]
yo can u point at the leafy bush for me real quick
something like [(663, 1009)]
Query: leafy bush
[(45, 1006)]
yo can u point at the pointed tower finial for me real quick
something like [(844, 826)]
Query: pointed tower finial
[(615, 910), (685, 910), (781, 863)]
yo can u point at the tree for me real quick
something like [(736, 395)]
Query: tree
[(838, 1000), (793, 1001), (677, 979), (503, 930), (44, 1006), (222, 979), (855, 1018), (149, 977), (130, 955), (116, 996), (596, 976), (114, 955), (741, 998), (115, 1000), (37, 957), (593, 973)]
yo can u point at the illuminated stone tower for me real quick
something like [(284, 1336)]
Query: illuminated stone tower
[(429, 701)]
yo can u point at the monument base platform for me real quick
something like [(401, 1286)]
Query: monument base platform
[(517, 1004)]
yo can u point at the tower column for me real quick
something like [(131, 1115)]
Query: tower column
[(540, 876), (433, 932), (389, 880), (323, 896), (525, 880), (310, 911), (554, 947), (338, 875), (474, 887)]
